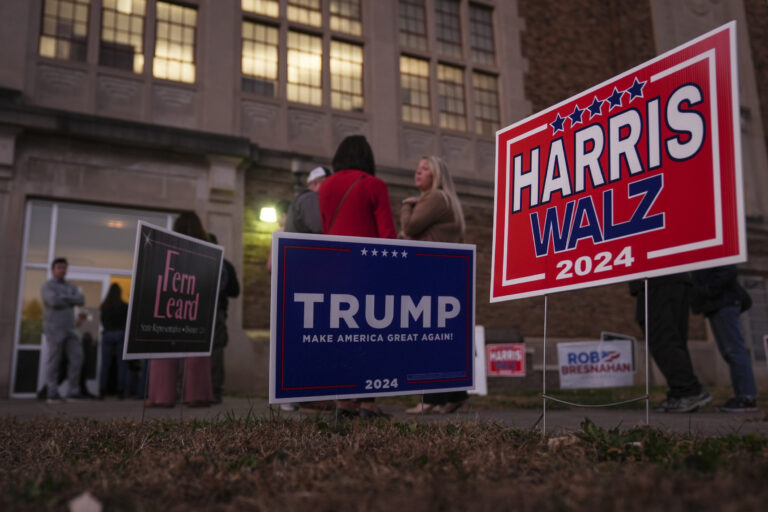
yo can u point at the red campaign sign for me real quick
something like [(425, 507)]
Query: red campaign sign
[(506, 360), (637, 177)]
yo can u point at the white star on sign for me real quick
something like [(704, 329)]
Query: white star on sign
[(374, 252), (394, 254), (364, 252), (384, 253), (147, 240), (404, 254)]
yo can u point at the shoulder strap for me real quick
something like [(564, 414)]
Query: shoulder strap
[(336, 213)]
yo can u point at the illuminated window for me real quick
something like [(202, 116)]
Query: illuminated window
[(450, 91), (345, 16), (305, 66), (122, 34), (481, 33), (448, 27), (346, 76), (175, 43), (486, 102), (64, 32), (264, 7), (414, 87), (259, 58), (413, 25), (305, 11)]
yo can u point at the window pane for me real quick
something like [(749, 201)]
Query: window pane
[(259, 58), (32, 307), (64, 29), (414, 87), (39, 232), (448, 27), (94, 236), (346, 76), (450, 87), (304, 78), (122, 34), (175, 43), (413, 25), (345, 16), (486, 102), (264, 7), (481, 34), (305, 11)]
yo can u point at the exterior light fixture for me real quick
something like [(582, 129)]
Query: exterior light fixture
[(268, 214)]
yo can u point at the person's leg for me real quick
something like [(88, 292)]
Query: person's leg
[(107, 352), (730, 342), (74, 349), (55, 346), (668, 337)]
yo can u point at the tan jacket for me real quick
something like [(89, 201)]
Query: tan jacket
[(430, 219)]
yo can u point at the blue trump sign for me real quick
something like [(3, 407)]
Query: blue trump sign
[(357, 317)]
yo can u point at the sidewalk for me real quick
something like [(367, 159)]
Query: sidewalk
[(706, 422)]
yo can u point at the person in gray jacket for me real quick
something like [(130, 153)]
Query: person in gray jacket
[(60, 329), (304, 213)]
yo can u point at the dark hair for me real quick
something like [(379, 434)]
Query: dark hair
[(188, 223), (59, 260), (212, 238), (113, 298), (354, 153)]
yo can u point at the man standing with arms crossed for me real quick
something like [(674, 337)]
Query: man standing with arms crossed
[(59, 327)]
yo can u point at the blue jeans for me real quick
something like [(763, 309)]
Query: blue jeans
[(112, 346), (730, 342)]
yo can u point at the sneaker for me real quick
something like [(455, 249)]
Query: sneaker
[(289, 407), (689, 403), (665, 404), (54, 399), (739, 404)]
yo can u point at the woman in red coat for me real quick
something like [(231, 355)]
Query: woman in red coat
[(355, 203)]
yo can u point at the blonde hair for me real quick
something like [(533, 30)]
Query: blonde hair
[(441, 180)]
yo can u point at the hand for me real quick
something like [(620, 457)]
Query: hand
[(410, 200)]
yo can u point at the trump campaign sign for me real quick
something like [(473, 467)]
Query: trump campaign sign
[(637, 177), (356, 317)]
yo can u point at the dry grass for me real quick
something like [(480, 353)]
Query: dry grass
[(310, 464)]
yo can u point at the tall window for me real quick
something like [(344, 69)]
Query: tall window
[(481, 34), (486, 102), (263, 7), (345, 16), (64, 32), (346, 76), (305, 11), (259, 58), (122, 34), (448, 27), (413, 24), (450, 90), (175, 43), (305, 66), (414, 86)]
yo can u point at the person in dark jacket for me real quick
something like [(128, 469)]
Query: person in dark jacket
[(718, 295), (114, 316), (303, 215), (668, 299)]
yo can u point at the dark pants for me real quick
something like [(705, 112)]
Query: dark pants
[(220, 340), (668, 334)]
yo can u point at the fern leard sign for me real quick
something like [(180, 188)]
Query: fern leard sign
[(639, 176)]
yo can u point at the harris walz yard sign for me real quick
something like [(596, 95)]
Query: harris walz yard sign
[(637, 177)]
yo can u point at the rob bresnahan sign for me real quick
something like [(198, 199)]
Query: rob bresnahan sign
[(354, 317), (595, 364), (174, 292), (639, 176)]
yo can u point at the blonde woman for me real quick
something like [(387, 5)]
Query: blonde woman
[(434, 215)]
